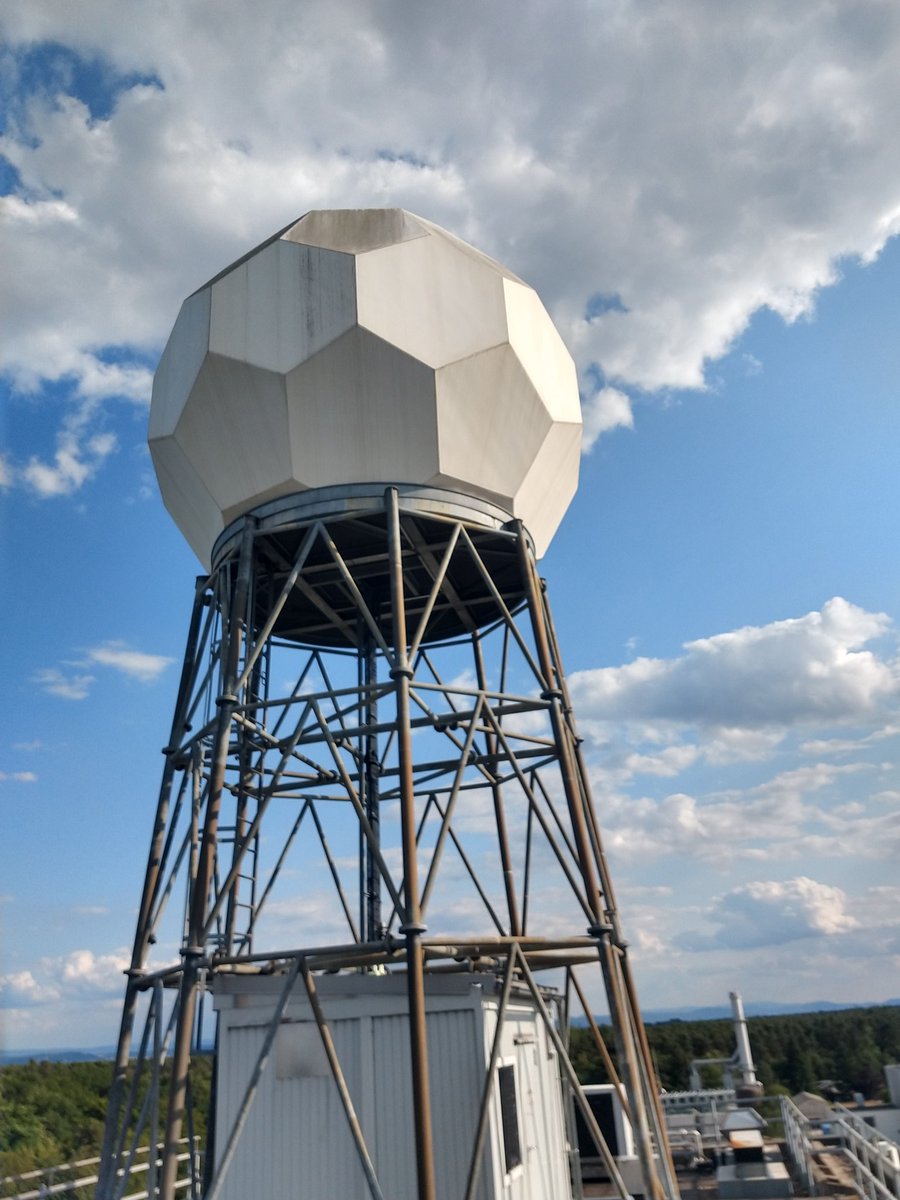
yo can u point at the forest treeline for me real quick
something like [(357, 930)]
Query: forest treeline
[(53, 1112), (848, 1048)]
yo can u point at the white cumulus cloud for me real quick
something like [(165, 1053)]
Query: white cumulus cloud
[(135, 663), (772, 913), (782, 818), (688, 163), (607, 409), (67, 686), (85, 971), (78, 976), (76, 459), (806, 669), (74, 683), (20, 989)]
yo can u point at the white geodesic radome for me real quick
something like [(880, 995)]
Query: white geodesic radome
[(364, 346)]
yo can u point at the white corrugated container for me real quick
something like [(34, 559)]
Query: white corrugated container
[(296, 1144)]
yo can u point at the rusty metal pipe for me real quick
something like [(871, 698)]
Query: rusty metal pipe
[(484, 1108), (412, 925), (509, 885), (181, 1055)]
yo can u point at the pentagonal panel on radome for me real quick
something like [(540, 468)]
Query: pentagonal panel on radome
[(282, 305), (430, 300), (186, 497), (355, 230), (542, 351), (550, 484), (470, 251), (180, 362), (234, 430), (491, 422), (360, 411)]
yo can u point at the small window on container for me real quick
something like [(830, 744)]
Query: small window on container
[(509, 1117)]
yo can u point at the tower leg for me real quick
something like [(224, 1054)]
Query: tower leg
[(635, 1065), (412, 927), (116, 1117)]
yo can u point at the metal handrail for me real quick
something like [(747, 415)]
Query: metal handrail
[(874, 1156), (49, 1186), (876, 1174)]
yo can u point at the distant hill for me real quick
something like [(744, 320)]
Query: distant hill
[(95, 1054), (792, 1050), (757, 1008), (652, 1016)]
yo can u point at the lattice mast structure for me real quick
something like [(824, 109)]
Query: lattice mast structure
[(369, 432)]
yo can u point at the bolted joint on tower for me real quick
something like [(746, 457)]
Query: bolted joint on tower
[(376, 870)]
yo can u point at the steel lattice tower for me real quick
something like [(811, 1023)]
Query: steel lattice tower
[(373, 781)]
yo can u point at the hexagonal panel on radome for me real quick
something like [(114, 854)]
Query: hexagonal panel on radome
[(550, 484), (361, 410), (234, 429), (355, 230), (430, 300), (186, 497), (491, 422), (542, 351), (469, 250), (282, 305), (181, 360)]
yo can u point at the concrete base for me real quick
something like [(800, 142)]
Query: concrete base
[(632, 1176), (753, 1181)]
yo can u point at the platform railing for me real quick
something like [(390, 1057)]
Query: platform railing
[(798, 1138), (873, 1159), (77, 1180)]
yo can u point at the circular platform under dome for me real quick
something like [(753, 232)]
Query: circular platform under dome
[(364, 346)]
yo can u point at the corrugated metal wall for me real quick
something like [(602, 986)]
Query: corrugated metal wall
[(457, 1077), (297, 1144)]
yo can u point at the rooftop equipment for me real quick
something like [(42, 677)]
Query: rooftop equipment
[(740, 1063), (375, 828)]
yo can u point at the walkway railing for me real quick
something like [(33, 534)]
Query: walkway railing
[(77, 1180), (873, 1159), (876, 1161), (798, 1137)]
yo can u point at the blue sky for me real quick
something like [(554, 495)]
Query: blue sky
[(708, 205)]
